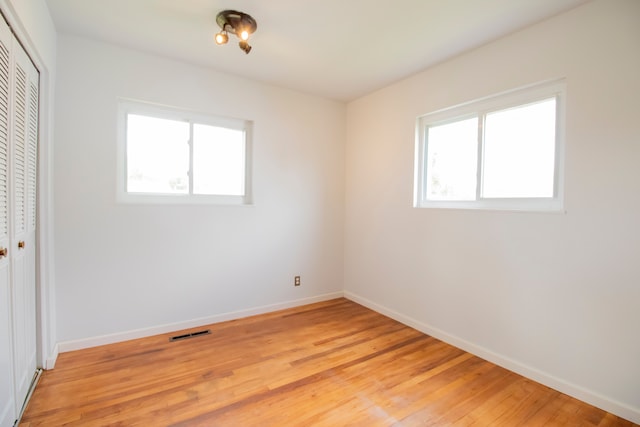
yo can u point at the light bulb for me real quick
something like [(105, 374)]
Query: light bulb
[(244, 35), (222, 38)]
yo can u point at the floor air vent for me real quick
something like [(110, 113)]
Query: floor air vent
[(190, 335)]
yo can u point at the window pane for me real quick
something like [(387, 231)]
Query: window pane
[(452, 154), (157, 155), (519, 151), (218, 160)]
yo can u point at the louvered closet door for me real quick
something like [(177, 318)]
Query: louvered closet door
[(8, 404), (18, 166), (23, 149)]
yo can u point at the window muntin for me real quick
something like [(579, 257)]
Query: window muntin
[(176, 156), (509, 155)]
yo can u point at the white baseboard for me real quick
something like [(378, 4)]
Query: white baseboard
[(50, 362), (620, 409), (80, 344)]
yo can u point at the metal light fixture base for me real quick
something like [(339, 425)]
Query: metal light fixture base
[(232, 21)]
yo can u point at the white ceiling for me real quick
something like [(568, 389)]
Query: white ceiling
[(340, 49)]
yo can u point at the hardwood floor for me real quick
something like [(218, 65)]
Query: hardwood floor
[(334, 363)]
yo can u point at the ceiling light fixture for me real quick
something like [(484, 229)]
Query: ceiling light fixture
[(238, 23)]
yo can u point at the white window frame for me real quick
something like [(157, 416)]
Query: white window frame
[(480, 108), (126, 107)]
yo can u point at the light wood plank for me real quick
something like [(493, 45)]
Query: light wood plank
[(334, 363)]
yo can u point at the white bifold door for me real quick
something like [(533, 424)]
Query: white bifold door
[(18, 166)]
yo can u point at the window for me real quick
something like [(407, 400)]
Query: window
[(174, 156), (502, 152)]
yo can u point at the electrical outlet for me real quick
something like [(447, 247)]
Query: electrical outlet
[(296, 281)]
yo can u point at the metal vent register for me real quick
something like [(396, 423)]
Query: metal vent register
[(190, 335)]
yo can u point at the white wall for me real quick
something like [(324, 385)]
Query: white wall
[(124, 267), (31, 22), (555, 296)]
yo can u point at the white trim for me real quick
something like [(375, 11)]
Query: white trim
[(50, 362), (80, 344), (498, 101), (45, 232), (129, 106), (593, 398), (479, 108)]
